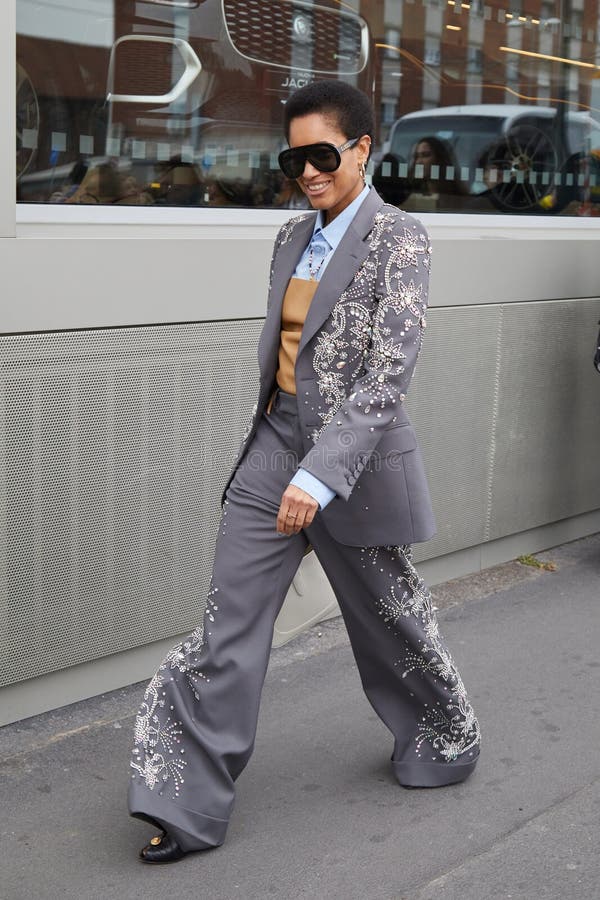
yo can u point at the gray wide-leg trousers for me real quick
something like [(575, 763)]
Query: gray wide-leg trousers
[(196, 726)]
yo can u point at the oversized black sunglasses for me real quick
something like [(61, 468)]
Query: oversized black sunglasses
[(323, 156)]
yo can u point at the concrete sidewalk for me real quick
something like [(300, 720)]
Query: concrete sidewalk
[(318, 813)]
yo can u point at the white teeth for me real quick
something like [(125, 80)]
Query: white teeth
[(316, 187)]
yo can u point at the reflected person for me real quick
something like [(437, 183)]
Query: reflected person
[(433, 169), (104, 184)]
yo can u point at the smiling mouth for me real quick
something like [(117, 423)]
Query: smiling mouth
[(317, 187)]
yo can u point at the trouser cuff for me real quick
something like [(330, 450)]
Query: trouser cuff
[(192, 830), (420, 774)]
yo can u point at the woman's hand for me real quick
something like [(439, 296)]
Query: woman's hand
[(297, 510)]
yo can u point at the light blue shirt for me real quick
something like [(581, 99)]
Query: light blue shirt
[(324, 242), (326, 238)]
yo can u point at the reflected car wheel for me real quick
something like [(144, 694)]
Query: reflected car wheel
[(28, 119), (519, 171)]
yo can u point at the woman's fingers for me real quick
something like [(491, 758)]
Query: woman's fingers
[(284, 518), (297, 510)]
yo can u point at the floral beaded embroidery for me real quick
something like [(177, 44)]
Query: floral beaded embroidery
[(156, 740), (451, 731), (157, 754), (358, 342)]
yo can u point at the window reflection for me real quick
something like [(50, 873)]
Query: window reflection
[(482, 107)]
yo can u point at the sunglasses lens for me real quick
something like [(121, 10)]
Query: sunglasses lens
[(323, 157), (291, 162)]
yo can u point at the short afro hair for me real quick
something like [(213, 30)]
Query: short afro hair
[(351, 108)]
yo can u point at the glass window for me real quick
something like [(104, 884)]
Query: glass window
[(480, 107)]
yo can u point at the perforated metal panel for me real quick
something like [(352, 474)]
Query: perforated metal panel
[(114, 447), (505, 402), (547, 437), (450, 403)]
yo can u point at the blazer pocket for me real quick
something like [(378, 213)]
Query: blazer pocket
[(394, 442)]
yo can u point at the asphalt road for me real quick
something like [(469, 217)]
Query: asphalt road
[(318, 813)]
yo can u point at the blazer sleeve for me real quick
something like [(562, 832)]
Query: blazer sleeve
[(401, 293)]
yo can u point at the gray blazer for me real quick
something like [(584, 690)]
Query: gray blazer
[(356, 356)]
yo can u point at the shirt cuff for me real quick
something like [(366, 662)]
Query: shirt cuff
[(317, 489)]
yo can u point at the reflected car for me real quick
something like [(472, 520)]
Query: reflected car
[(517, 159), (156, 83)]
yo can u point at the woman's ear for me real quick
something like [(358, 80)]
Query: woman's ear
[(364, 148)]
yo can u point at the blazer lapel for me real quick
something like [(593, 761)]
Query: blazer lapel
[(352, 251), (288, 257)]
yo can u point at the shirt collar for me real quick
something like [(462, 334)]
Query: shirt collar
[(335, 231)]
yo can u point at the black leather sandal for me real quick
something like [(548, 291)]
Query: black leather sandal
[(162, 849)]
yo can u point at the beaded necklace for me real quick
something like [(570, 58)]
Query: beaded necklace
[(314, 272)]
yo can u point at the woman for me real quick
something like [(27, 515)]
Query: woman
[(428, 152), (331, 460), (438, 172)]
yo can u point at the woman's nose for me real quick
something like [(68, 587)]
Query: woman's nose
[(309, 170)]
